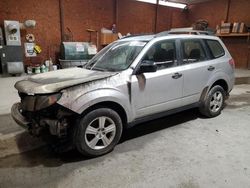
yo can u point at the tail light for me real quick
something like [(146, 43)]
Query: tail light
[(232, 63)]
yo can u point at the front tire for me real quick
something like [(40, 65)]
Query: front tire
[(98, 132), (214, 102)]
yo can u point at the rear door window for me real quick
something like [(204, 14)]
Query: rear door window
[(193, 51), (215, 48)]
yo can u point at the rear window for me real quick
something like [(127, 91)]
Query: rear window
[(215, 48)]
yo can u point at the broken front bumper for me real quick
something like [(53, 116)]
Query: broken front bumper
[(18, 117)]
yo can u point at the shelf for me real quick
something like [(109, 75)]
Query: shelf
[(233, 35)]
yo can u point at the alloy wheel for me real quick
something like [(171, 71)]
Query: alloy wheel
[(100, 133), (216, 102)]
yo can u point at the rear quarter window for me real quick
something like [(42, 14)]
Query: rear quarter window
[(215, 48)]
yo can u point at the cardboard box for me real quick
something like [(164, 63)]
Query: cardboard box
[(236, 27), (242, 28), (239, 28), (226, 28), (107, 38)]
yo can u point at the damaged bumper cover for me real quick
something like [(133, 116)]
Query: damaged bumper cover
[(18, 117), (35, 126)]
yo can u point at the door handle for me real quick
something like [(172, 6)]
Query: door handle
[(210, 68), (177, 75)]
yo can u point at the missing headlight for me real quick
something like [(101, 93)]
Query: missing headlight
[(46, 101)]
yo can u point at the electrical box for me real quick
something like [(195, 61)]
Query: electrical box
[(13, 59), (12, 33)]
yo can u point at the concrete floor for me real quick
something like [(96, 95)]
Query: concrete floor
[(8, 93), (180, 151)]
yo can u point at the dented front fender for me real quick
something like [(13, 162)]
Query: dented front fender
[(112, 89)]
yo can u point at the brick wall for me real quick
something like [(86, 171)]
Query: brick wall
[(215, 12), (137, 17), (79, 15), (46, 14)]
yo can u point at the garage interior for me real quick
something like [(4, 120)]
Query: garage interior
[(64, 20), (183, 150)]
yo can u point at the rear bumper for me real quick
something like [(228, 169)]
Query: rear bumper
[(18, 117)]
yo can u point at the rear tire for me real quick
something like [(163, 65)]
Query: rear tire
[(214, 102), (98, 132)]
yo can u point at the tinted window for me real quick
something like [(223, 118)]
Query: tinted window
[(193, 51), (215, 48), (163, 54)]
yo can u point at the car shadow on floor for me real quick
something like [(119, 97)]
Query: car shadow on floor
[(44, 156)]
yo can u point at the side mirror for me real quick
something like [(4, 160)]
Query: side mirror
[(147, 66)]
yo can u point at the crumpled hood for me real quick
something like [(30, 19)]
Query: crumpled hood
[(55, 81)]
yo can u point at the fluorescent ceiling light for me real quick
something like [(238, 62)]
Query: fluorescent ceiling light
[(165, 3), (148, 1), (171, 4)]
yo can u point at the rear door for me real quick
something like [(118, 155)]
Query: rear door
[(197, 69)]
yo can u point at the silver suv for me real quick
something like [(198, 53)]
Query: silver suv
[(132, 80)]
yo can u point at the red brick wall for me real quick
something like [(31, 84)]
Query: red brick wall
[(134, 17), (46, 14), (215, 12), (171, 18), (80, 15), (137, 17), (179, 18)]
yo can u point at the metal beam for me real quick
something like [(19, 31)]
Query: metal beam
[(61, 11), (156, 15), (228, 10)]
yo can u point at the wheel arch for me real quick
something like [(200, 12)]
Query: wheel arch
[(112, 105), (220, 82)]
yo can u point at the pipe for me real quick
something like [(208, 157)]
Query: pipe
[(156, 15), (228, 9), (61, 11), (115, 12)]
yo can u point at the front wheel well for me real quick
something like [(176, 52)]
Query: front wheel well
[(112, 105)]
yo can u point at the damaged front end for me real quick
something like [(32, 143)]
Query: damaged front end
[(41, 113)]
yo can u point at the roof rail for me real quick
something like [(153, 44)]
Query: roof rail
[(183, 31), (135, 35)]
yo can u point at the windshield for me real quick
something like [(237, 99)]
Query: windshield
[(116, 57)]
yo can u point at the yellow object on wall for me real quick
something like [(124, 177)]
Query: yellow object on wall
[(37, 49)]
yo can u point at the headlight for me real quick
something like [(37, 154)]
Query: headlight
[(39, 102)]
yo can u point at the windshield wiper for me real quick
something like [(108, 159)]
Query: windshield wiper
[(98, 69), (112, 70), (105, 69)]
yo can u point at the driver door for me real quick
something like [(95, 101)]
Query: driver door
[(158, 91)]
